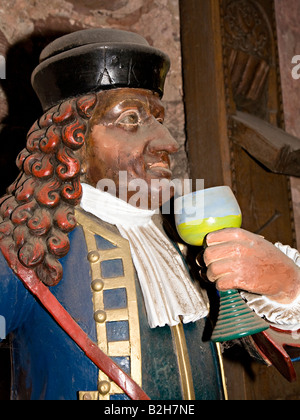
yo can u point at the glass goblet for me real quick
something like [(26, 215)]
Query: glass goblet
[(196, 215)]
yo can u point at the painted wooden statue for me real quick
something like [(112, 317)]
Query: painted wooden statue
[(89, 282)]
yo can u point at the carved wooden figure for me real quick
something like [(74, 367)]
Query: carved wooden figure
[(98, 299), (101, 91)]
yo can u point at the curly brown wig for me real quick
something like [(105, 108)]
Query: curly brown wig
[(37, 213)]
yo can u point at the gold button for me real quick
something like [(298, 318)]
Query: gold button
[(97, 285), (100, 316), (104, 387), (93, 256)]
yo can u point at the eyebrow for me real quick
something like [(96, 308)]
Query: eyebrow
[(140, 104), (133, 102)]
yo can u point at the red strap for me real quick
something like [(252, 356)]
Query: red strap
[(64, 319)]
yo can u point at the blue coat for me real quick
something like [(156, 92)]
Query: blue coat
[(101, 292)]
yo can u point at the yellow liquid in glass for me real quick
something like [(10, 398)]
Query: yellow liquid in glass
[(194, 232)]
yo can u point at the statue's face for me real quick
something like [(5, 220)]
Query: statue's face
[(127, 135)]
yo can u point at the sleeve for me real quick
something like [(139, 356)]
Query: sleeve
[(15, 300), (273, 312)]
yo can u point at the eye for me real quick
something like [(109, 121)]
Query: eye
[(129, 118)]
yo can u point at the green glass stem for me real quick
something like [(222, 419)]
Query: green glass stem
[(236, 319)]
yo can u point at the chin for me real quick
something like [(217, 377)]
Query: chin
[(160, 198)]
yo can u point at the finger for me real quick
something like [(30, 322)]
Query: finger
[(219, 269), (200, 260), (227, 282), (235, 281), (224, 251), (223, 235), (202, 273), (230, 235)]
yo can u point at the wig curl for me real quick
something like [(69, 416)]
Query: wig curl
[(37, 213)]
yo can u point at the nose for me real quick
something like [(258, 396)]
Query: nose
[(161, 140)]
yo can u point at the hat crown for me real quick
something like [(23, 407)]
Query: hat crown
[(92, 60), (99, 36)]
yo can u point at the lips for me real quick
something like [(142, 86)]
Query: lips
[(160, 168)]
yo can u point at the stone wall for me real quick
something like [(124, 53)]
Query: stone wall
[(26, 26)]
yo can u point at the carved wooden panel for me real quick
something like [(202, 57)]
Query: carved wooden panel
[(247, 45), (253, 86), (230, 69)]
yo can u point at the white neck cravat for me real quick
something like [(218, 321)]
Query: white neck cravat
[(168, 291)]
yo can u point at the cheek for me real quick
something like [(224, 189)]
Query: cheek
[(102, 146), (115, 148)]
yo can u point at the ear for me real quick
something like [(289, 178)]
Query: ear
[(83, 169)]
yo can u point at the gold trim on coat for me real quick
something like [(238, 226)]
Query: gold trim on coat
[(132, 347), (185, 371)]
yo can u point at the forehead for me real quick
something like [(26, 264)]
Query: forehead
[(120, 99)]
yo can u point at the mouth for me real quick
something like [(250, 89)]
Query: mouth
[(160, 169)]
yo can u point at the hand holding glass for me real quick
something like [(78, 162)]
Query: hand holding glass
[(196, 215)]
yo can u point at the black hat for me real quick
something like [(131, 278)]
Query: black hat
[(96, 59)]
